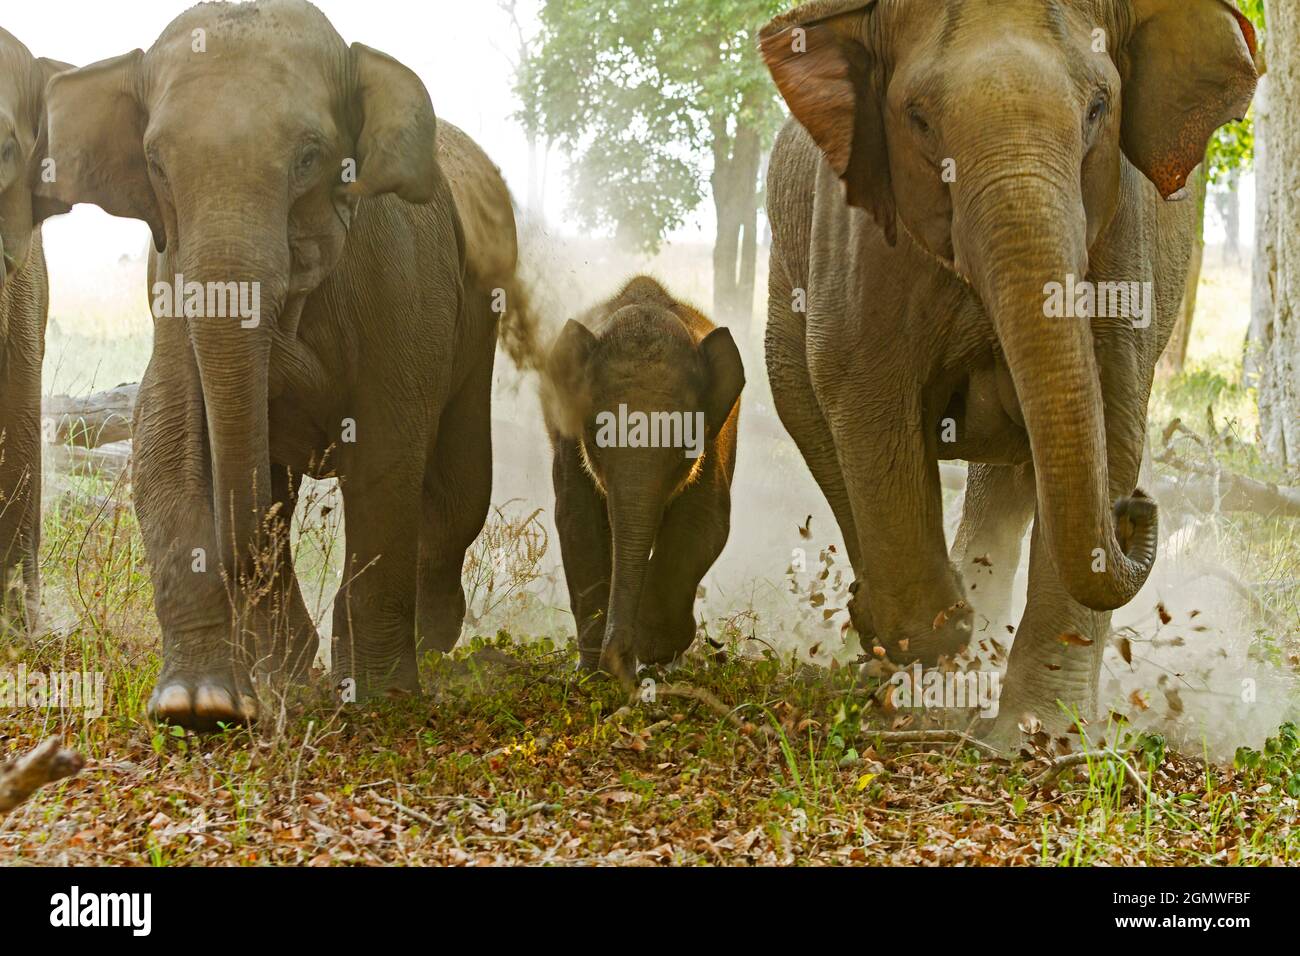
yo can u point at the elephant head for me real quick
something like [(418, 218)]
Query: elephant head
[(645, 401), (23, 79), (995, 134), (245, 138)]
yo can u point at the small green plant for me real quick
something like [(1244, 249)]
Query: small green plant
[(1277, 764)]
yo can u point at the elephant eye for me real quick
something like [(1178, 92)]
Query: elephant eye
[(918, 121), (155, 167), (1098, 108), (307, 160), (9, 151)]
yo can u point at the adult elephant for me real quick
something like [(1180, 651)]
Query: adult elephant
[(24, 307), (949, 169), (278, 166)]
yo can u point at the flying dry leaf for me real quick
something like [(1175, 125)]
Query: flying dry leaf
[(1078, 640), (805, 531), (1138, 700), (1125, 649)]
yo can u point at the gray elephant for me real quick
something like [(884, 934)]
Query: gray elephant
[(24, 306), (326, 291), (978, 254), (642, 405)]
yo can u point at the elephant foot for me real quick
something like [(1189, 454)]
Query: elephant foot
[(660, 641), (860, 614), (948, 636), (618, 660), (202, 703)]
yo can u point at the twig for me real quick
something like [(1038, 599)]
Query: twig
[(702, 696), (938, 737), (49, 762), (427, 820), (1061, 764)]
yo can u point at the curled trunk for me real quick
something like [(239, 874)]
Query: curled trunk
[(1031, 232)]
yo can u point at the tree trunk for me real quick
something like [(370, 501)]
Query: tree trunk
[(1261, 292), (1232, 220), (1279, 324), (1175, 356), (736, 162)]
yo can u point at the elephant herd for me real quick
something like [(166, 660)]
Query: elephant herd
[(341, 263)]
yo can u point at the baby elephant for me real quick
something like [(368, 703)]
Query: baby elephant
[(642, 405)]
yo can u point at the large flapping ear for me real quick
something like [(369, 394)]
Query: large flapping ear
[(1188, 67), (95, 130), (726, 377), (567, 379), (397, 143), (820, 56), (43, 207)]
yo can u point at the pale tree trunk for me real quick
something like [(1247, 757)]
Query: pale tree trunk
[(736, 161), (1261, 292), (1175, 357), (1232, 220), (1279, 239)]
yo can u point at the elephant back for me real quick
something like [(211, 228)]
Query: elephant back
[(483, 203)]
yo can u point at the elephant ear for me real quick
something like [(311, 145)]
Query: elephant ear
[(1188, 67), (568, 379), (397, 145), (95, 132), (824, 65), (43, 207), (726, 374)]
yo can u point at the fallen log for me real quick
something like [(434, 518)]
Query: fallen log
[(49, 762), (107, 461), (90, 421), (1225, 491)]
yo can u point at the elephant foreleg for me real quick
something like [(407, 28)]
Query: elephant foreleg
[(582, 521), (206, 675), (1055, 664), (801, 414), (20, 487), (374, 609), (918, 609), (457, 497), (694, 531)]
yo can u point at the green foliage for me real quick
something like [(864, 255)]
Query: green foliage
[(1278, 764), (1232, 149), (641, 93)]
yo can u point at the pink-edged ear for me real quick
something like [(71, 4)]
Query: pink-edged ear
[(821, 61), (1188, 68)]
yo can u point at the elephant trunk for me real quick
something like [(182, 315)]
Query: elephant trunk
[(1031, 228), (635, 510), (232, 346)]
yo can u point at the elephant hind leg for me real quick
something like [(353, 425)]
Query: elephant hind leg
[(801, 414), (996, 511), (457, 497)]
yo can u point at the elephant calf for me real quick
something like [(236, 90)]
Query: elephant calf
[(24, 305), (642, 407)]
